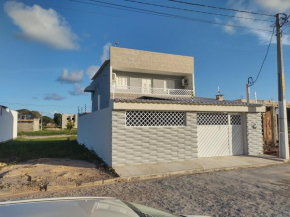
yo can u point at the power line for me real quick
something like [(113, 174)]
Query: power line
[(196, 11), (25, 104), (73, 9), (221, 8), (250, 79), (157, 13)]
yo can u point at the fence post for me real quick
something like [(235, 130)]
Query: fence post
[(114, 91)]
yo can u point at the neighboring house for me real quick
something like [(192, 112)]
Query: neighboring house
[(144, 110), (270, 120), (28, 125), (66, 117), (8, 124)]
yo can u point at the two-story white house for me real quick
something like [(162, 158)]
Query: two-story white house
[(144, 109)]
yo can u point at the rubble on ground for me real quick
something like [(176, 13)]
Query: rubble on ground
[(40, 174)]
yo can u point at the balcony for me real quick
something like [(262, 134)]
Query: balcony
[(149, 90)]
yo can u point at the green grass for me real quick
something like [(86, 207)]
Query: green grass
[(48, 133), (23, 149)]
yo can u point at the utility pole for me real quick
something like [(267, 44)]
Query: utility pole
[(248, 93), (283, 126)]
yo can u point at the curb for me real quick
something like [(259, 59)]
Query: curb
[(136, 178)]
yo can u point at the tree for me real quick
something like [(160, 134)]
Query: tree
[(29, 114), (70, 125), (57, 119), (46, 120), (35, 114)]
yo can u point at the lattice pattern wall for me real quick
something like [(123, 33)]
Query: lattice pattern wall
[(133, 145), (152, 118), (212, 119), (236, 120)]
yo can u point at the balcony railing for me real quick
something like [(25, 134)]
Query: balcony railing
[(149, 90)]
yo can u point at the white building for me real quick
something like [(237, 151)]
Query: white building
[(8, 124), (144, 109)]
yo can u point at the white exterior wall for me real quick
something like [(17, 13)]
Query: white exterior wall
[(95, 132), (8, 124), (101, 96)]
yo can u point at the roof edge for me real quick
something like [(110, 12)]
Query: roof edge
[(100, 69)]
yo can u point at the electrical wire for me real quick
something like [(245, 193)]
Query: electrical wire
[(196, 11), (157, 13), (250, 79), (71, 9), (221, 8), (24, 104)]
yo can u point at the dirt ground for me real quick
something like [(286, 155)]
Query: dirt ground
[(245, 192), (29, 176)]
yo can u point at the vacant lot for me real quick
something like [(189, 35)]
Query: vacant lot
[(48, 133), (245, 192), (23, 149), (51, 162)]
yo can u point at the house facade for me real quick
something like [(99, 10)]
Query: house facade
[(66, 117), (144, 109), (8, 124)]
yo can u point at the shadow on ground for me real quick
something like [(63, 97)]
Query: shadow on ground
[(23, 149)]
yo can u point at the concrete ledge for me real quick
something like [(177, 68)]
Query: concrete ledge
[(200, 165), (191, 172)]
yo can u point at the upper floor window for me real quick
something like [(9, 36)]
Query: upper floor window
[(122, 82)]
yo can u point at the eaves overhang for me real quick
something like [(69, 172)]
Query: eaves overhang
[(100, 69)]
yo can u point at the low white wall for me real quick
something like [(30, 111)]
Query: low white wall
[(95, 132), (8, 124)]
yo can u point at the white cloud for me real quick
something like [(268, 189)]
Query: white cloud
[(91, 71), (71, 78), (77, 90), (53, 96), (274, 6), (53, 112), (229, 29), (257, 6), (41, 25), (106, 52)]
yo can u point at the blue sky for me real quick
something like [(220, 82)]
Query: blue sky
[(49, 49)]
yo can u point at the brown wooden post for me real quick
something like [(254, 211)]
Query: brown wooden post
[(274, 125)]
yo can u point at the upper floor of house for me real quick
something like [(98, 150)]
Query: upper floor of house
[(133, 73)]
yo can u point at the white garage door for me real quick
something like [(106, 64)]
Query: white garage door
[(219, 134)]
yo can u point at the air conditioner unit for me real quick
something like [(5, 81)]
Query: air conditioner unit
[(184, 82), (114, 77)]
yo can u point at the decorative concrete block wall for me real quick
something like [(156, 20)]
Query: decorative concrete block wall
[(254, 133), (134, 145)]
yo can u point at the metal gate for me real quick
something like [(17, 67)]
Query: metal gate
[(219, 134)]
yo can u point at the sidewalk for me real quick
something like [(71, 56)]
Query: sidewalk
[(199, 165)]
